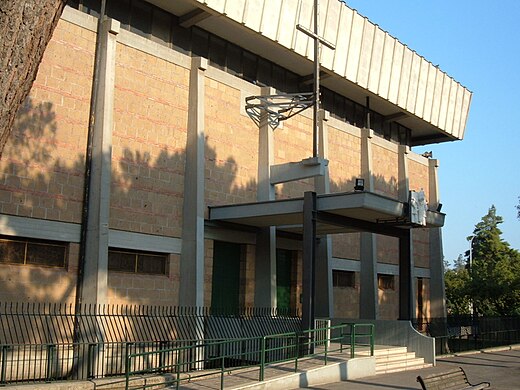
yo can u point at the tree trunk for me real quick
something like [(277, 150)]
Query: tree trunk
[(26, 27)]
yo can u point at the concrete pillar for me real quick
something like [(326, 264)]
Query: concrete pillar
[(324, 305), (407, 288), (95, 279), (437, 291), (265, 257), (192, 254), (368, 298)]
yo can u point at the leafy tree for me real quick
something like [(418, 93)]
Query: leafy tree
[(457, 283), (494, 270), (26, 27)]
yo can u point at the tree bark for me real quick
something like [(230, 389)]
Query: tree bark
[(26, 27)]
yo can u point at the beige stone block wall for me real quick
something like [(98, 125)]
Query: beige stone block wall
[(344, 160), (149, 141), (346, 301), (385, 171), (419, 180), (247, 276), (31, 283), (293, 143), (125, 288), (387, 249), (42, 165), (231, 147), (208, 271), (388, 301)]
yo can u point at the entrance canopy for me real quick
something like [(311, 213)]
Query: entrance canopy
[(335, 213)]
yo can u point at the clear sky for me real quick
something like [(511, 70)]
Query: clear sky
[(476, 42)]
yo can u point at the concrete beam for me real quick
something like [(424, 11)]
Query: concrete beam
[(309, 167)]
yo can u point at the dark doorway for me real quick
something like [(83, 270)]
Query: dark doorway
[(283, 278), (225, 291)]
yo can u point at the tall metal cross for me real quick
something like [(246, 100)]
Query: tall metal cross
[(317, 40)]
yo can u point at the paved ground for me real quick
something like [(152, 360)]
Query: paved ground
[(500, 367)]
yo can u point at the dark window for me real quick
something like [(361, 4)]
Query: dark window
[(122, 260), (200, 43), (91, 7), (264, 72), (343, 278), (385, 282), (161, 26), (249, 67), (141, 18), (234, 60), (33, 252), (217, 52), (119, 10)]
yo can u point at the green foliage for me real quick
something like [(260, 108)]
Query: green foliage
[(490, 279)]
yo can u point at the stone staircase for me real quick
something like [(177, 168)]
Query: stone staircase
[(394, 359)]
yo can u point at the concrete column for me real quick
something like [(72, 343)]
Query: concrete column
[(192, 254), (265, 257), (437, 292), (407, 288), (95, 279), (324, 305), (368, 299)]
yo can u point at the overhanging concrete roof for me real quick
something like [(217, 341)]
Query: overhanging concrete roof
[(337, 213), (368, 61)]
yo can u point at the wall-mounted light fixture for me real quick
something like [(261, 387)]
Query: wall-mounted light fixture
[(360, 185), (428, 154), (439, 207)]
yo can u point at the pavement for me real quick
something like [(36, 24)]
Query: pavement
[(500, 367)]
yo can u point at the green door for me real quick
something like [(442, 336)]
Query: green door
[(283, 278), (226, 276)]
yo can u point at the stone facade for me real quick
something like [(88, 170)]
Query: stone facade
[(43, 166)]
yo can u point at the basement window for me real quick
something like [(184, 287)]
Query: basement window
[(28, 251), (385, 282), (139, 262), (343, 279)]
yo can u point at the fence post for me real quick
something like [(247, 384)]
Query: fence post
[(262, 360), (50, 361), (352, 340), (4, 363)]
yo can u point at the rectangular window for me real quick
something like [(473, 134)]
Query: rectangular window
[(343, 279), (385, 282), (33, 252), (122, 260)]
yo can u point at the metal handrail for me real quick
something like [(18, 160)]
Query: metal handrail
[(275, 348)]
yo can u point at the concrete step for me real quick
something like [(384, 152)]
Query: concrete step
[(394, 359)]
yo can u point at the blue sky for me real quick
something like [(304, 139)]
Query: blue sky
[(477, 43)]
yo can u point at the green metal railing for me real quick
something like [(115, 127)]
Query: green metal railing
[(364, 332), (223, 356)]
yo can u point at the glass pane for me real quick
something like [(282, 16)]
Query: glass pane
[(141, 18), (92, 7), (234, 59), (180, 37), (217, 52), (119, 10), (264, 72), (151, 264), (249, 67), (200, 43), (161, 26), (45, 254), (121, 261), (12, 252)]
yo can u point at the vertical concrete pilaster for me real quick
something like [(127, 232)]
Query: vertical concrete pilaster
[(437, 291), (192, 254), (265, 258), (368, 299), (95, 278), (407, 288), (324, 306)]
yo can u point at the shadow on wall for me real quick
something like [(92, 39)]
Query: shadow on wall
[(40, 181)]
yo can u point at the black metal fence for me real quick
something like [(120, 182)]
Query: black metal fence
[(466, 333), (46, 342)]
